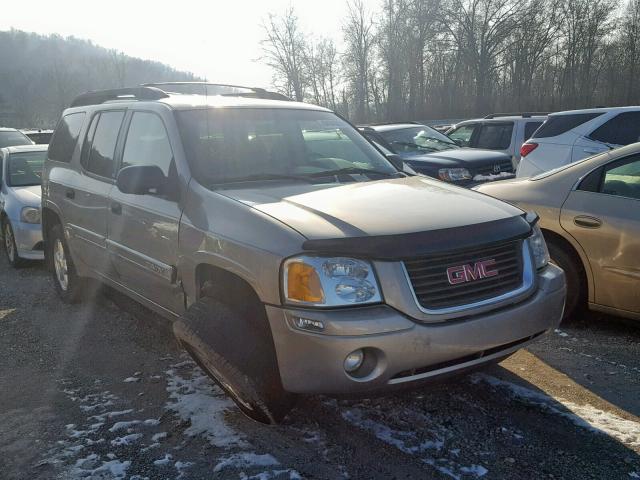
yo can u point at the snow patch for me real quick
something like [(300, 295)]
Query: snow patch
[(126, 440), (161, 462), (91, 467), (245, 460), (131, 380)]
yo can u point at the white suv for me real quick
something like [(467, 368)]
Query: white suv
[(567, 137), (504, 132)]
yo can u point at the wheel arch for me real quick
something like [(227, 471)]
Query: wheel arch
[(576, 252)]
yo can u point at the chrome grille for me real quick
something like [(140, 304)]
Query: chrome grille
[(428, 276), (505, 166)]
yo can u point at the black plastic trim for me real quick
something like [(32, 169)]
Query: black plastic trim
[(411, 245)]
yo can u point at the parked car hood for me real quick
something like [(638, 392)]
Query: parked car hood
[(384, 207), (28, 196), (466, 157)]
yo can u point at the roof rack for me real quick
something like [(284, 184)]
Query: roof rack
[(517, 114), (223, 89), (134, 93)]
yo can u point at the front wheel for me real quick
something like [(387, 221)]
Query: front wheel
[(67, 282), (10, 246), (238, 354), (576, 283)]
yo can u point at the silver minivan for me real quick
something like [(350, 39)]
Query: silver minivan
[(292, 256)]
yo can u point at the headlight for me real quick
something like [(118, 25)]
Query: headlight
[(30, 215), (454, 174), (329, 282), (538, 247)]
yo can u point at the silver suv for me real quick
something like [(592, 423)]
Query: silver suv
[(292, 255)]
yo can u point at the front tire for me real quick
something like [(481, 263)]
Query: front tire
[(238, 354), (574, 275), (65, 279), (10, 246)]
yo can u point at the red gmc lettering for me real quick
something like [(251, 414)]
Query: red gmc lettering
[(468, 273)]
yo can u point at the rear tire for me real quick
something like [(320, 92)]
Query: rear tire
[(68, 284), (576, 283), (238, 354), (10, 247)]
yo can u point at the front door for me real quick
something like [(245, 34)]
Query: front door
[(603, 215), (143, 229)]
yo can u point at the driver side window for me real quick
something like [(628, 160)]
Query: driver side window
[(462, 135)]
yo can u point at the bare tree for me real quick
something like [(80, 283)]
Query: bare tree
[(284, 48)]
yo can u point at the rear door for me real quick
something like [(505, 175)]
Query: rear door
[(143, 229), (497, 136), (87, 194), (603, 215)]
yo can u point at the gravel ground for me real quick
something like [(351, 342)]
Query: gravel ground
[(101, 391)]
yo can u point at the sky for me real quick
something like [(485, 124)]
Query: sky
[(219, 40)]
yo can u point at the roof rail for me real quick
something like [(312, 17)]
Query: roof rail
[(517, 114), (134, 93), (223, 89)]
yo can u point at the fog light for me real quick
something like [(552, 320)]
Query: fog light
[(354, 361)]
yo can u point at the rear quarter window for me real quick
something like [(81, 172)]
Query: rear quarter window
[(530, 128), (65, 137), (559, 124), (494, 136)]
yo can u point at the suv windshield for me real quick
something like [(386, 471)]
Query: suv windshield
[(255, 144), (12, 138), (25, 168), (418, 139)]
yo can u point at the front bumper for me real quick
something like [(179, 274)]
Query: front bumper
[(404, 350), (28, 238)]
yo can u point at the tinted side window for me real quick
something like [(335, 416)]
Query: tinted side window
[(494, 136), (462, 135), (623, 178), (103, 146), (559, 124), (147, 143), (622, 129), (529, 128), (65, 137)]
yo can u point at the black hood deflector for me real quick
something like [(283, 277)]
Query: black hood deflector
[(421, 244)]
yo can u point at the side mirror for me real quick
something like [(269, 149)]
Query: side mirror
[(140, 179), (396, 161)]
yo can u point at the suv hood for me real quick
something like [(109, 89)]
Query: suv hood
[(460, 157), (376, 208)]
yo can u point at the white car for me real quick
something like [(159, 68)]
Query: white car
[(20, 192), (567, 137), (504, 132)]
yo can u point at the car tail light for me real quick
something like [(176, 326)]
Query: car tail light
[(527, 148)]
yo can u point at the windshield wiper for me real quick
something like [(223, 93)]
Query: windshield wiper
[(259, 177), (351, 171)]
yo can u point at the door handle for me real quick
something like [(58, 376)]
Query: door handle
[(116, 208), (587, 222), (71, 194)]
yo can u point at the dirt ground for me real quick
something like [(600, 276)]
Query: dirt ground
[(101, 391)]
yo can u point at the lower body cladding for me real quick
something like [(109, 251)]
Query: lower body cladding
[(28, 237), (393, 350)]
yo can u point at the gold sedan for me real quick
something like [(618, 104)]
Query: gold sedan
[(590, 216)]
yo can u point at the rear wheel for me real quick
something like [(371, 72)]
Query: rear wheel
[(574, 275), (10, 247), (238, 354), (67, 282)]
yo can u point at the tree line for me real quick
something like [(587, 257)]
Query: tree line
[(428, 59), (40, 75)]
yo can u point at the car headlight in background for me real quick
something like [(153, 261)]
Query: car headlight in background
[(30, 215), (538, 247), (329, 282), (454, 174)]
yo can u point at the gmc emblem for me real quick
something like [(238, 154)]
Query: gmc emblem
[(469, 273)]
